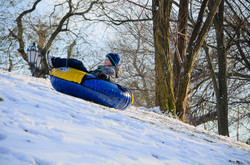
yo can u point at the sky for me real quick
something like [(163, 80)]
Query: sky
[(42, 126)]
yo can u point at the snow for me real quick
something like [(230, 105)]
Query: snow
[(42, 126)]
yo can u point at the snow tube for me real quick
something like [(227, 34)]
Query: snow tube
[(86, 86)]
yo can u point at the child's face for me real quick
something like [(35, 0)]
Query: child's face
[(107, 62)]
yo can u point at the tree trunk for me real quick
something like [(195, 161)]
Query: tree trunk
[(182, 47), (164, 73), (70, 49), (222, 104)]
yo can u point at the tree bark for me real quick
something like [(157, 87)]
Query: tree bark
[(222, 103), (164, 73), (182, 47)]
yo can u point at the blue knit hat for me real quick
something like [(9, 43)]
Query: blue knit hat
[(114, 58)]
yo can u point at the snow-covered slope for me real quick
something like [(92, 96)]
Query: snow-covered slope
[(39, 125)]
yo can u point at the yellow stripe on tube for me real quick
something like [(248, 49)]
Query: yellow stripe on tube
[(69, 74), (132, 96)]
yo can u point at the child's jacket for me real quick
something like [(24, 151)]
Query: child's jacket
[(112, 72)]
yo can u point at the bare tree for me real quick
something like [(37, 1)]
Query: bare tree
[(161, 16), (203, 91), (134, 44), (47, 34), (204, 85)]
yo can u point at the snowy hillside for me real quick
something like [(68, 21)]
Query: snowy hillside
[(42, 126)]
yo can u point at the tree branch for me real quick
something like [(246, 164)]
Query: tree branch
[(205, 118), (137, 4)]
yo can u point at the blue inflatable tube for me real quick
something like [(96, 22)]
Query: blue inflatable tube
[(83, 85)]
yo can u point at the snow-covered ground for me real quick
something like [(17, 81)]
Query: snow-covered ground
[(41, 126)]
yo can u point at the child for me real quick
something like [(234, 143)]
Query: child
[(109, 71)]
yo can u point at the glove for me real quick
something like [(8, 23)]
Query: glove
[(103, 76)]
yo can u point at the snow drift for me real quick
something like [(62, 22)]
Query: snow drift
[(42, 126)]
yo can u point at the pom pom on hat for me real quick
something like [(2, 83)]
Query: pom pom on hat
[(114, 58)]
